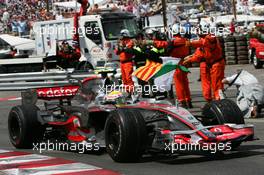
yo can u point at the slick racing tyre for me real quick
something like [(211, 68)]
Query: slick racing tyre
[(222, 111), (256, 62), (23, 126), (125, 135)]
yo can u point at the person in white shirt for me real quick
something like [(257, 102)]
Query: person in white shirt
[(144, 11), (251, 93), (14, 25), (5, 20), (22, 26), (59, 16), (212, 25), (136, 12)]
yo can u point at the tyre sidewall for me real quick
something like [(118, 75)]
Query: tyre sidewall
[(31, 131), (131, 136), (17, 114)]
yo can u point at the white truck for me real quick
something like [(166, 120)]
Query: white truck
[(98, 35)]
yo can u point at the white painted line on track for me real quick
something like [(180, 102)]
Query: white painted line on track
[(23, 163), (22, 159), (55, 169)]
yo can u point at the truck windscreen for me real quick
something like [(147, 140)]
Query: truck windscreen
[(112, 27)]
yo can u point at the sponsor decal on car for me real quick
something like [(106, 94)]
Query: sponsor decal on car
[(57, 92)]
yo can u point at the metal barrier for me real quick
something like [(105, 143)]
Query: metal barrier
[(23, 81)]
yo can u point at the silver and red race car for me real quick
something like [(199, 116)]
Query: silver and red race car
[(83, 114)]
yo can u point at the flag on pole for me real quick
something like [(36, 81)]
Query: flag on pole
[(162, 74), (164, 77), (146, 72)]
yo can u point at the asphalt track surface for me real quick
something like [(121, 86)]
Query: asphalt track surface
[(249, 159)]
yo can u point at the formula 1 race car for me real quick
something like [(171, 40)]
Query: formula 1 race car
[(85, 114)]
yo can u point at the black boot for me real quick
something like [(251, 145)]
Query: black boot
[(183, 104), (189, 104)]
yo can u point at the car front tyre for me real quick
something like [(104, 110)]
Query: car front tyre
[(125, 135)]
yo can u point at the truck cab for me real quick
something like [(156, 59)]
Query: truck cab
[(101, 35), (98, 35)]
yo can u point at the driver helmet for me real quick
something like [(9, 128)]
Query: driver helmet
[(115, 97), (150, 31), (125, 33)]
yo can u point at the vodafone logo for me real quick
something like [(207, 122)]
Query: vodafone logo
[(57, 92)]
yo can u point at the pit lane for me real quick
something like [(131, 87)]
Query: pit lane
[(249, 159)]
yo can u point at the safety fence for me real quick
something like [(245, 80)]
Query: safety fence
[(24, 81)]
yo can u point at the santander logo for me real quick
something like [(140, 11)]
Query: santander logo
[(57, 92)]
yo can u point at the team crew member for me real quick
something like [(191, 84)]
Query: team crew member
[(126, 63), (139, 51), (178, 49), (209, 54), (203, 68), (152, 54)]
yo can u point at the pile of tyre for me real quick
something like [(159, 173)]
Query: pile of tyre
[(236, 50), (242, 50)]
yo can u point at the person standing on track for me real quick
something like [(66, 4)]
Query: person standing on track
[(177, 48), (126, 63), (212, 65)]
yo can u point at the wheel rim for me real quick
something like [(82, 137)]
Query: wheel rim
[(255, 61), (15, 128), (114, 137)]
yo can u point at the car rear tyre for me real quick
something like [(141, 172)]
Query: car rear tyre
[(257, 64), (125, 135), (23, 126), (222, 111)]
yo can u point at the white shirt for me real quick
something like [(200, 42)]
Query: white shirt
[(5, 16), (245, 78), (144, 8), (59, 17), (136, 11)]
